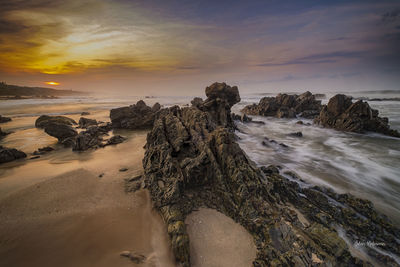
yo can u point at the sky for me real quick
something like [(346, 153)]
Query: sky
[(178, 47)]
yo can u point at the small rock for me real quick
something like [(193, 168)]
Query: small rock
[(85, 122), (283, 145), (123, 169), (296, 134), (35, 157), (43, 150), (10, 154), (4, 119), (101, 175), (85, 113), (300, 122), (134, 257)]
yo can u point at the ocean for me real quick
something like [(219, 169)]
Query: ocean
[(366, 165)]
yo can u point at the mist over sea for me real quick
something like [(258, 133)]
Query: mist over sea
[(365, 165)]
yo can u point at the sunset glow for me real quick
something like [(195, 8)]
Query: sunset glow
[(52, 83)]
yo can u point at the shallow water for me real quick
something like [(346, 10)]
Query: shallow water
[(365, 165)]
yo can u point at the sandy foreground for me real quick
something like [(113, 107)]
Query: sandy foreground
[(75, 218)]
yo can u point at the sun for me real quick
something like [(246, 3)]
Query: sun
[(52, 83)]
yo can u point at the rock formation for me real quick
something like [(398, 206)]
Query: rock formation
[(10, 154), (138, 116), (286, 106), (43, 150), (91, 138), (342, 114), (192, 160), (44, 120), (85, 122), (4, 119), (63, 132)]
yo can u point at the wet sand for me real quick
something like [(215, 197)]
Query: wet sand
[(217, 241), (76, 220)]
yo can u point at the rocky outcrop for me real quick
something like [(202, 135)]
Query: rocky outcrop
[(192, 160), (286, 106), (138, 116), (85, 122), (63, 132), (91, 138), (4, 119), (45, 120), (114, 140), (10, 154), (342, 114)]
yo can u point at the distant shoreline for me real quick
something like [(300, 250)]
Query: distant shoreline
[(9, 91)]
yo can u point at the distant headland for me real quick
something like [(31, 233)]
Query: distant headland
[(8, 91)]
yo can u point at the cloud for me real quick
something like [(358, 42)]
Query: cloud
[(391, 16), (319, 58)]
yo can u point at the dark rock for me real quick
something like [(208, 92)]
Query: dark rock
[(91, 138), (243, 118), (101, 175), (10, 154), (3, 134), (344, 115), (85, 122), (43, 150), (34, 157), (286, 106), (85, 113), (300, 122), (296, 134), (197, 101), (123, 169), (4, 119), (138, 116), (192, 160), (63, 132), (44, 120), (116, 139)]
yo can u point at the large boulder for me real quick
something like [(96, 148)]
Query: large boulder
[(63, 132), (44, 120), (342, 114), (192, 160), (138, 116), (286, 106), (4, 119), (10, 154)]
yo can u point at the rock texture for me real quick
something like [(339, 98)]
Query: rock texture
[(286, 106), (85, 122), (192, 160), (4, 119), (45, 120), (138, 116), (63, 132), (10, 154), (91, 138), (342, 114)]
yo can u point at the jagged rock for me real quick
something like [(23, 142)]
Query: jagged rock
[(133, 184), (44, 120), (197, 101), (10, 154), (192, 160), (43, 150), (138, 116), (357, 217), (91, 138), (85, 122), (242, 118), (296, 134), (63, 132), (342, 114), (4, 119), (286, 106)]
